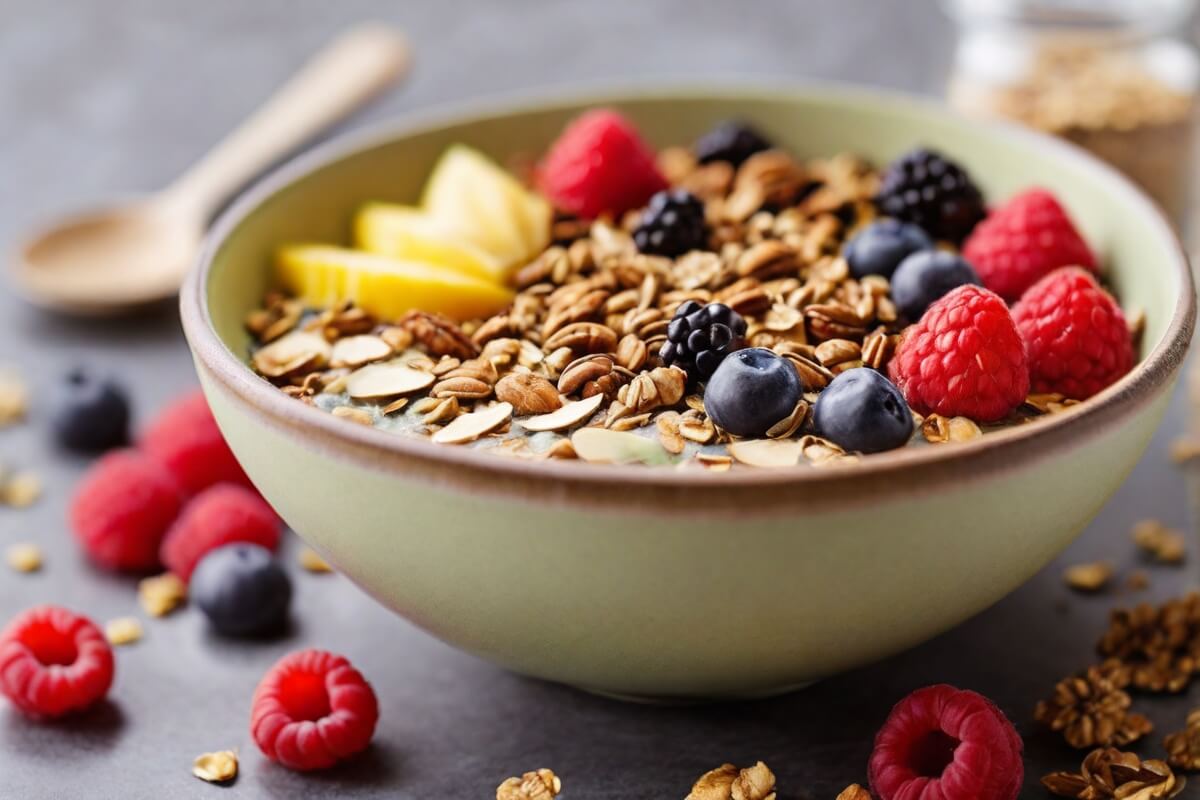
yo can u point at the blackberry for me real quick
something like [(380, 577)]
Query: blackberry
[(731, 141), (929, 190), (671, 225), (699, 338)]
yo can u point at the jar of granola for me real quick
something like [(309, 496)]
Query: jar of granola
[(1113, 76)]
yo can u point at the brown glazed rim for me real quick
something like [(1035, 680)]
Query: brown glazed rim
[(738, 493)]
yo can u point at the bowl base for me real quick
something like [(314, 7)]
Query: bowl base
[(673, 700)]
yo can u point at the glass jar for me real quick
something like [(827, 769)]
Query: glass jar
[(1113, 76)]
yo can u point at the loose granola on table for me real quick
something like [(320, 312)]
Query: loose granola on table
[(609, 338)]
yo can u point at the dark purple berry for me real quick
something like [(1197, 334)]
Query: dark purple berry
[(880, 247), (862, 411), (925, 277), (671, 225), (751, 391), (929, 190), (731, 141), (242, 589), (699, 337), (89, 413)]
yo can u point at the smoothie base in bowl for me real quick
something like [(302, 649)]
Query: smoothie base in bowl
[(644, 581)]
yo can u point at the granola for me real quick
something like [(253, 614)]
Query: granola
[(609, 329)]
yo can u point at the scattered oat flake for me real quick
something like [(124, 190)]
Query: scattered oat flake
[(716, 463), (767, 452), (161, 594), (470, 427), (24, 557), (312, 561), (1164, 544), (1091, 577), (14, 398), (217, 767), (123, 630), (21, 490), (357, 415), (540, 784), (854, 792)]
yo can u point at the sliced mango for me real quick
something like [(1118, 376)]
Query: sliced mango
[(322, 275), (409, 233), (481, 201)]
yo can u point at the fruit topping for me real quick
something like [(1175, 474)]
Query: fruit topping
[(186, 440), (671, 225), (751, 391), (964, 358), (313, 709), (699, 338), (242, 589), (324, 275), (54, 662), (860, 410), (732, 140), (406, 233), (880, 247), (943, 743), (89, 413), (218, 516), (1023, 240), (1075, 335), (928, 189), (926, 276), (599, 165), (122, 509), (483, 204)]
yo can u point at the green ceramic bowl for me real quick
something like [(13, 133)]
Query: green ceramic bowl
[(656, 583)]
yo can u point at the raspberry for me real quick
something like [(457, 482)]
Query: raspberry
[(221, 515), (53, 662), (1023, 240), (964, 358), (313, 709), (1076, 337), (122, 508), (599, 165), (186, 440), (943, 743)]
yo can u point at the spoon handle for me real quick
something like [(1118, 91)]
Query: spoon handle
[(351, 70)]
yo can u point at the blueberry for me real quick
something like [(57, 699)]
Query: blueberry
[(750, 391), (242, 589), (924, 277), (862, 411), (732, 140), (89, 413), (880, 247)]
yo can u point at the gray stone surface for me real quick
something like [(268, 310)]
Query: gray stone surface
[(103, 98)]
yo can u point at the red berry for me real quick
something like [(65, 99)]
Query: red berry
[(599, 165), (964, 358), (53, 662), (122, 509), (221, 515), (186, 440), (1024, 239), (942, 743), (1075, 335), (313, 709)]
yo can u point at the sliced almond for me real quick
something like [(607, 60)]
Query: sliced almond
[(355, 351), (356, 415), (715, 463), (767, 452), (603, 446), (376, 381), (470, 427), (566, 417), (296, 351)]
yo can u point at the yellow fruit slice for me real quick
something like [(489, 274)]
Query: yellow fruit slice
[(323, 275), (408, 233), (479, 199)]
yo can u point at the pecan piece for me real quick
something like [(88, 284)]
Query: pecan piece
[(528, 393), (439, 335)]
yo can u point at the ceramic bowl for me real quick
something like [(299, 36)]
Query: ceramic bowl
[(658, 583)]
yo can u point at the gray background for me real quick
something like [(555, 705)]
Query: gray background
[(103, 98)]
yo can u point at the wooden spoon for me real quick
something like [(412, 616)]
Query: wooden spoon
[(126, 255)]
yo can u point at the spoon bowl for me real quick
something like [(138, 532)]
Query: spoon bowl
[(109, 259)]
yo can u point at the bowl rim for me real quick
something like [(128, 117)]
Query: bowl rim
[(895, 473)]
